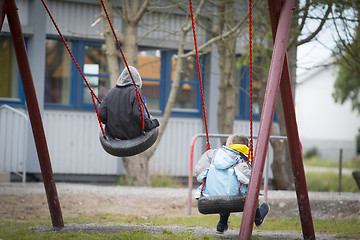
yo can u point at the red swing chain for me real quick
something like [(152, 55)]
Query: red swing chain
[(138, 95), (250, 155), (200, 81), (93, 95), (251, 85), (201, 88)]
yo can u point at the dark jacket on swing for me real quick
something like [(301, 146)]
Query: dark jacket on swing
[(120, 109)]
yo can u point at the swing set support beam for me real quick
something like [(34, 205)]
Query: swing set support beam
[(8, 7), (280, 16)]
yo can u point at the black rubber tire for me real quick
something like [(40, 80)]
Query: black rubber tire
[(131, 147), (356, 175), (221, 204)]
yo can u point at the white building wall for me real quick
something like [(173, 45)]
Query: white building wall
[(322, 123)]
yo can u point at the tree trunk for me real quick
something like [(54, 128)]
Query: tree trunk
[(110, 46), (226, 49), (137, 170), (130, 45)]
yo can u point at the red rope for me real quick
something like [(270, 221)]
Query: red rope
[(200, 81), (251, 84), (93, 96), (140, 100), (250, 156)]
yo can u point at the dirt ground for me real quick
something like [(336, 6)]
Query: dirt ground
[(19, 201), (29, 200), (21, 206)]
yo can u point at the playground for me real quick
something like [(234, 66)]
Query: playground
[(132, 207), (94, 208)]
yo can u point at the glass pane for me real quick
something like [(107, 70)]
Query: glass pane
[(188, 72), (186, 96), (57, 73), (95, 55), (9, 84), (149, 67), (187, 93), (95, 65), (99, 89)]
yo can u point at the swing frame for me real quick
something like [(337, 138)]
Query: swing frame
[(280, 16)]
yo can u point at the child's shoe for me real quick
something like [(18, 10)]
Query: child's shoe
[(264, 209), (221, 227)]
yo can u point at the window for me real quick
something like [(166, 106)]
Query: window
[(243, 94), (149, 67), (65, 87), (57, 73), (9, 83), (96, 72), (186, 97)]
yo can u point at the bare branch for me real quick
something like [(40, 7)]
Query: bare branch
[(154, 28), (197, 12), (304, 17), (125, 10), (311, 36), (141, 11), (213, 40)]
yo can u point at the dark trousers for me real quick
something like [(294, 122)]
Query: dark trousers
[(224, 217)]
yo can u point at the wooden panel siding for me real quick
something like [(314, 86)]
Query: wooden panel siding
[(73, 140), (74, 147), (12, 141)]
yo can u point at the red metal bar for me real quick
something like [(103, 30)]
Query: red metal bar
[(293, 136), (34, 113), (191, 170), (267, 114)]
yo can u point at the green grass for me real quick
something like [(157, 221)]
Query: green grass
[(315, 161), (329, 182), (156, 181), (14, 229), (165, 181)]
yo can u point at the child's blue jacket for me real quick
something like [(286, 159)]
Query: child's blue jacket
[(224, 169)]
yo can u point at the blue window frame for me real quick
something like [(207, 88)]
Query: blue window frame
[(243, 95), (157, 79), (93, 63), (90, 58), (188, 102), (11, 90)]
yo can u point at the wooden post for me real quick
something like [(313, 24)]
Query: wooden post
[(340, 170), (34, 111)]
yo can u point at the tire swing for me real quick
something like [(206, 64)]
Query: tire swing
[(128, 147), (116, 147), (226, 203), (125, 148)]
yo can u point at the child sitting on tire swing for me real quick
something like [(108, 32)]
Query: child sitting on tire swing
[(224, 168), (120, 109)]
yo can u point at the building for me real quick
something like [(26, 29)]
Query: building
[(70, 122), (324, 124)]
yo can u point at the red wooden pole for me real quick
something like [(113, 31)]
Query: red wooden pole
[(34, 113), (293, 135), (267, 114), (2, 13)]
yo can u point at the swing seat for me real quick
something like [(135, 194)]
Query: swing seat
[(221, 204), (129, 147)]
